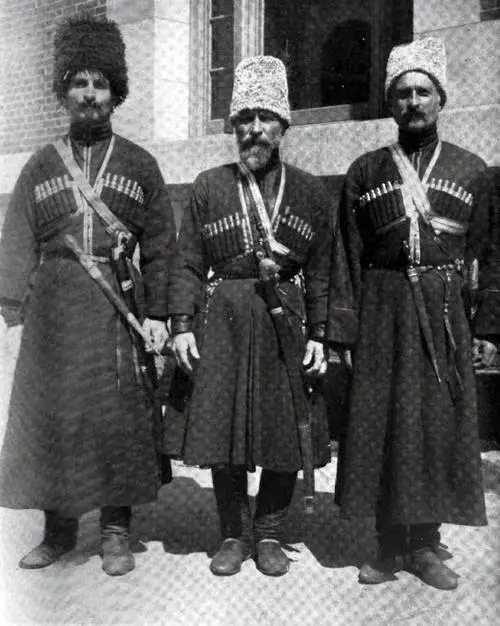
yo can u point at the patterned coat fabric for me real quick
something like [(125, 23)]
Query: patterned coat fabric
[(411, 452), (240, 408), (78, 435)]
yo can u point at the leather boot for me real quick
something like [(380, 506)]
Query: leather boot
[(117, 559), (228, 560), (427, 565), (270, 558), (230, 488), (272, 504), (60, 536)]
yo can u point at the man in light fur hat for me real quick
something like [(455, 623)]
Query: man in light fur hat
[(79, 436), (247, 218), (415, 215)]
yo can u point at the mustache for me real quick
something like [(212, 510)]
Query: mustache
[(414, 115), (90, 106), (250, 142)]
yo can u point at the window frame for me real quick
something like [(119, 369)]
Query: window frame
[(248, 40)]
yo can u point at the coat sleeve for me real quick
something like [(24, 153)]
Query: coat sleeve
[(345, 284), (327, 281), (189, 269), (316, 270), (484, 245), (19, 250), (157, 244)]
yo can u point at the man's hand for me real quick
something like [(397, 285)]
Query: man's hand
[(157, 334), (314, 360), (483, 353), (183, 346)]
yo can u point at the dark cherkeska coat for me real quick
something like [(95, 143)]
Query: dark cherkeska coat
[(78, 435), (240, 410), (411, 452)]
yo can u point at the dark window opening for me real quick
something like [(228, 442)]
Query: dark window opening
[(490, 10), (345, 64), (221, 56), (335, 53)]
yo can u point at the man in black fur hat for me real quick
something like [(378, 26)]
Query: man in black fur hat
[(78, 435)]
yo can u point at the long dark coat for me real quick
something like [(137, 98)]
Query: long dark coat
[(411, 451), (78, 435), (240, 410)]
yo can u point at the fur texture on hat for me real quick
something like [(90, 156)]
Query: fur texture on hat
[(423, 55), (90, 44), (260, 83)]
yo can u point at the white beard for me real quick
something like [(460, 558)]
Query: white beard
[(256, 157)]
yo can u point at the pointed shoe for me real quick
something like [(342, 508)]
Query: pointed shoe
[(380, 570), (432, 571), (44, 555), (229, 558), (270, 558)]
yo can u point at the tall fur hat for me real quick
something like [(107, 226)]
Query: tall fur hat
[(260, 83), (90, 44), (423, 55)]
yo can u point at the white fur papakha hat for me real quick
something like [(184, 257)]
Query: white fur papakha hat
[(260, 83), (423, 55)]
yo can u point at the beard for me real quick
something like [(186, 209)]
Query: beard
[(257, 155), (94, 113), (256, 150), (89, 113)]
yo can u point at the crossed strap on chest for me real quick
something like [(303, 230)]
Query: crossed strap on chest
[(414, 193), (118, 232), (254, 206), (123, 242)]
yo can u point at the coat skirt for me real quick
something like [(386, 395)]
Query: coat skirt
[(240, 409), (411, 451)]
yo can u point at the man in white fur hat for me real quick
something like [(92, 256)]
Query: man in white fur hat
[(241, 411), (415, 214)]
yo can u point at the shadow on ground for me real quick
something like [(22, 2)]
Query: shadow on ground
[(184, 519)]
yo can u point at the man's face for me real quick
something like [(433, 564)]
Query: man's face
[(415, 102), (258, 133), (88, 97)]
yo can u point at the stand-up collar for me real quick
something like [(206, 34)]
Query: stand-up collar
[(413, 142), (89, 134)]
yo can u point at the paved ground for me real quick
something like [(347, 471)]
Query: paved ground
[(172, 585)]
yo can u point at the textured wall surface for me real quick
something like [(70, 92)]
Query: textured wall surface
[(30, 114)]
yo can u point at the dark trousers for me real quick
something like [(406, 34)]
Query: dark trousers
[(115, 519), (399, 539), (60, 529), (273, 500)]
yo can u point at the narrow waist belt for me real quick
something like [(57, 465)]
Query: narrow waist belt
[(218, 276), (456, 265)]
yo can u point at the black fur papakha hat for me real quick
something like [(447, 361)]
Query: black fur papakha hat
[(90, 44)]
